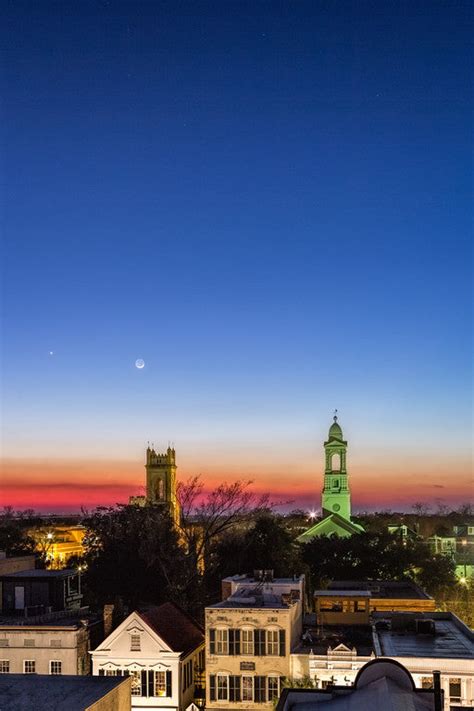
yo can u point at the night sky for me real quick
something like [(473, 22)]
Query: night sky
[(268, 202)]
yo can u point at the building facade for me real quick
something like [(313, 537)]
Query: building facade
[(50, 644), (162, 650), (249, 637)]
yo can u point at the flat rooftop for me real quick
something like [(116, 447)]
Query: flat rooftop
[(452, 638), (256, 598), (65, 573), (342, 593), (42, 692), (243, 579), (394, 589), (358, 636), (62, 618)]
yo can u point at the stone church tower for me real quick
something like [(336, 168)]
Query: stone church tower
[(161, 480), (336, 497)]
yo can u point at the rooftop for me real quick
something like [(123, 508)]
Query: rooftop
[(61, 618), (351, 636), (47, 574), (259, 597), (394, 589), (339, 593), (42, 692), (175, 627), (397, 636)]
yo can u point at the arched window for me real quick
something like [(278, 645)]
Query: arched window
[(336, 462)]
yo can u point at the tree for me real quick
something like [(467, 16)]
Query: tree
[(134, 552), (14, 538)]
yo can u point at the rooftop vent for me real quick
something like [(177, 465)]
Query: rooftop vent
[(425, 627)]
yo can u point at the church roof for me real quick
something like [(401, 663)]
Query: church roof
[(332, 524), (175, 627)]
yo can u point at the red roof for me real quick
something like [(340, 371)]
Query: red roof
[(175, 627)]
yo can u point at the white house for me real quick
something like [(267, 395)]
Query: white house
[(162, 650)]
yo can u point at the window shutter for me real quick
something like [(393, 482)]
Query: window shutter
[(169, 690), (212, 641), (126, 672), (212, 687), (144, 683), (234, 688), (282, 643), (260, 643), (151, 682), (101, 672), (232, 641), (260, 691), (236, 641)]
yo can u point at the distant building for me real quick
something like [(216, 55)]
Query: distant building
[(20, 692), (402, 531), (58, 544), (379, 684), (342, 640), (459, 546), (38, 591), (162, 651), (391, 595), (336, 496), (55, 643), (249, 638), (160, 482)]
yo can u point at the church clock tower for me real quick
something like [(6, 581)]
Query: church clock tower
[(336, 497), (161, 481)]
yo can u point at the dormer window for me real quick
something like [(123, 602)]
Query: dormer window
[(135, 643)]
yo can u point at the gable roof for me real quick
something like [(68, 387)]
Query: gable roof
[(333, 523), (175, 627)]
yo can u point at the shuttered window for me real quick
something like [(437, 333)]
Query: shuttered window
[(282, 644), (234, 642), (212, 687), (234, 688), (260, 689), (259, 637)]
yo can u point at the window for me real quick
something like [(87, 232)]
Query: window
[(246, 642), (136, 683), (455, 689), (55, 643), (222, 643), (273, 688), (470, 530), (222, 687), (135, 643), (55, 667), (426, 682), (29, 666), (272, 642), (160, 684), (28, 642), (247, 688), (4, 642), (111, 672), (4, 666)]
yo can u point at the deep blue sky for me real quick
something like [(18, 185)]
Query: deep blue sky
[(269, 202)]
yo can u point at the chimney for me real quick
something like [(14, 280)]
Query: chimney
[(108, 618)]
